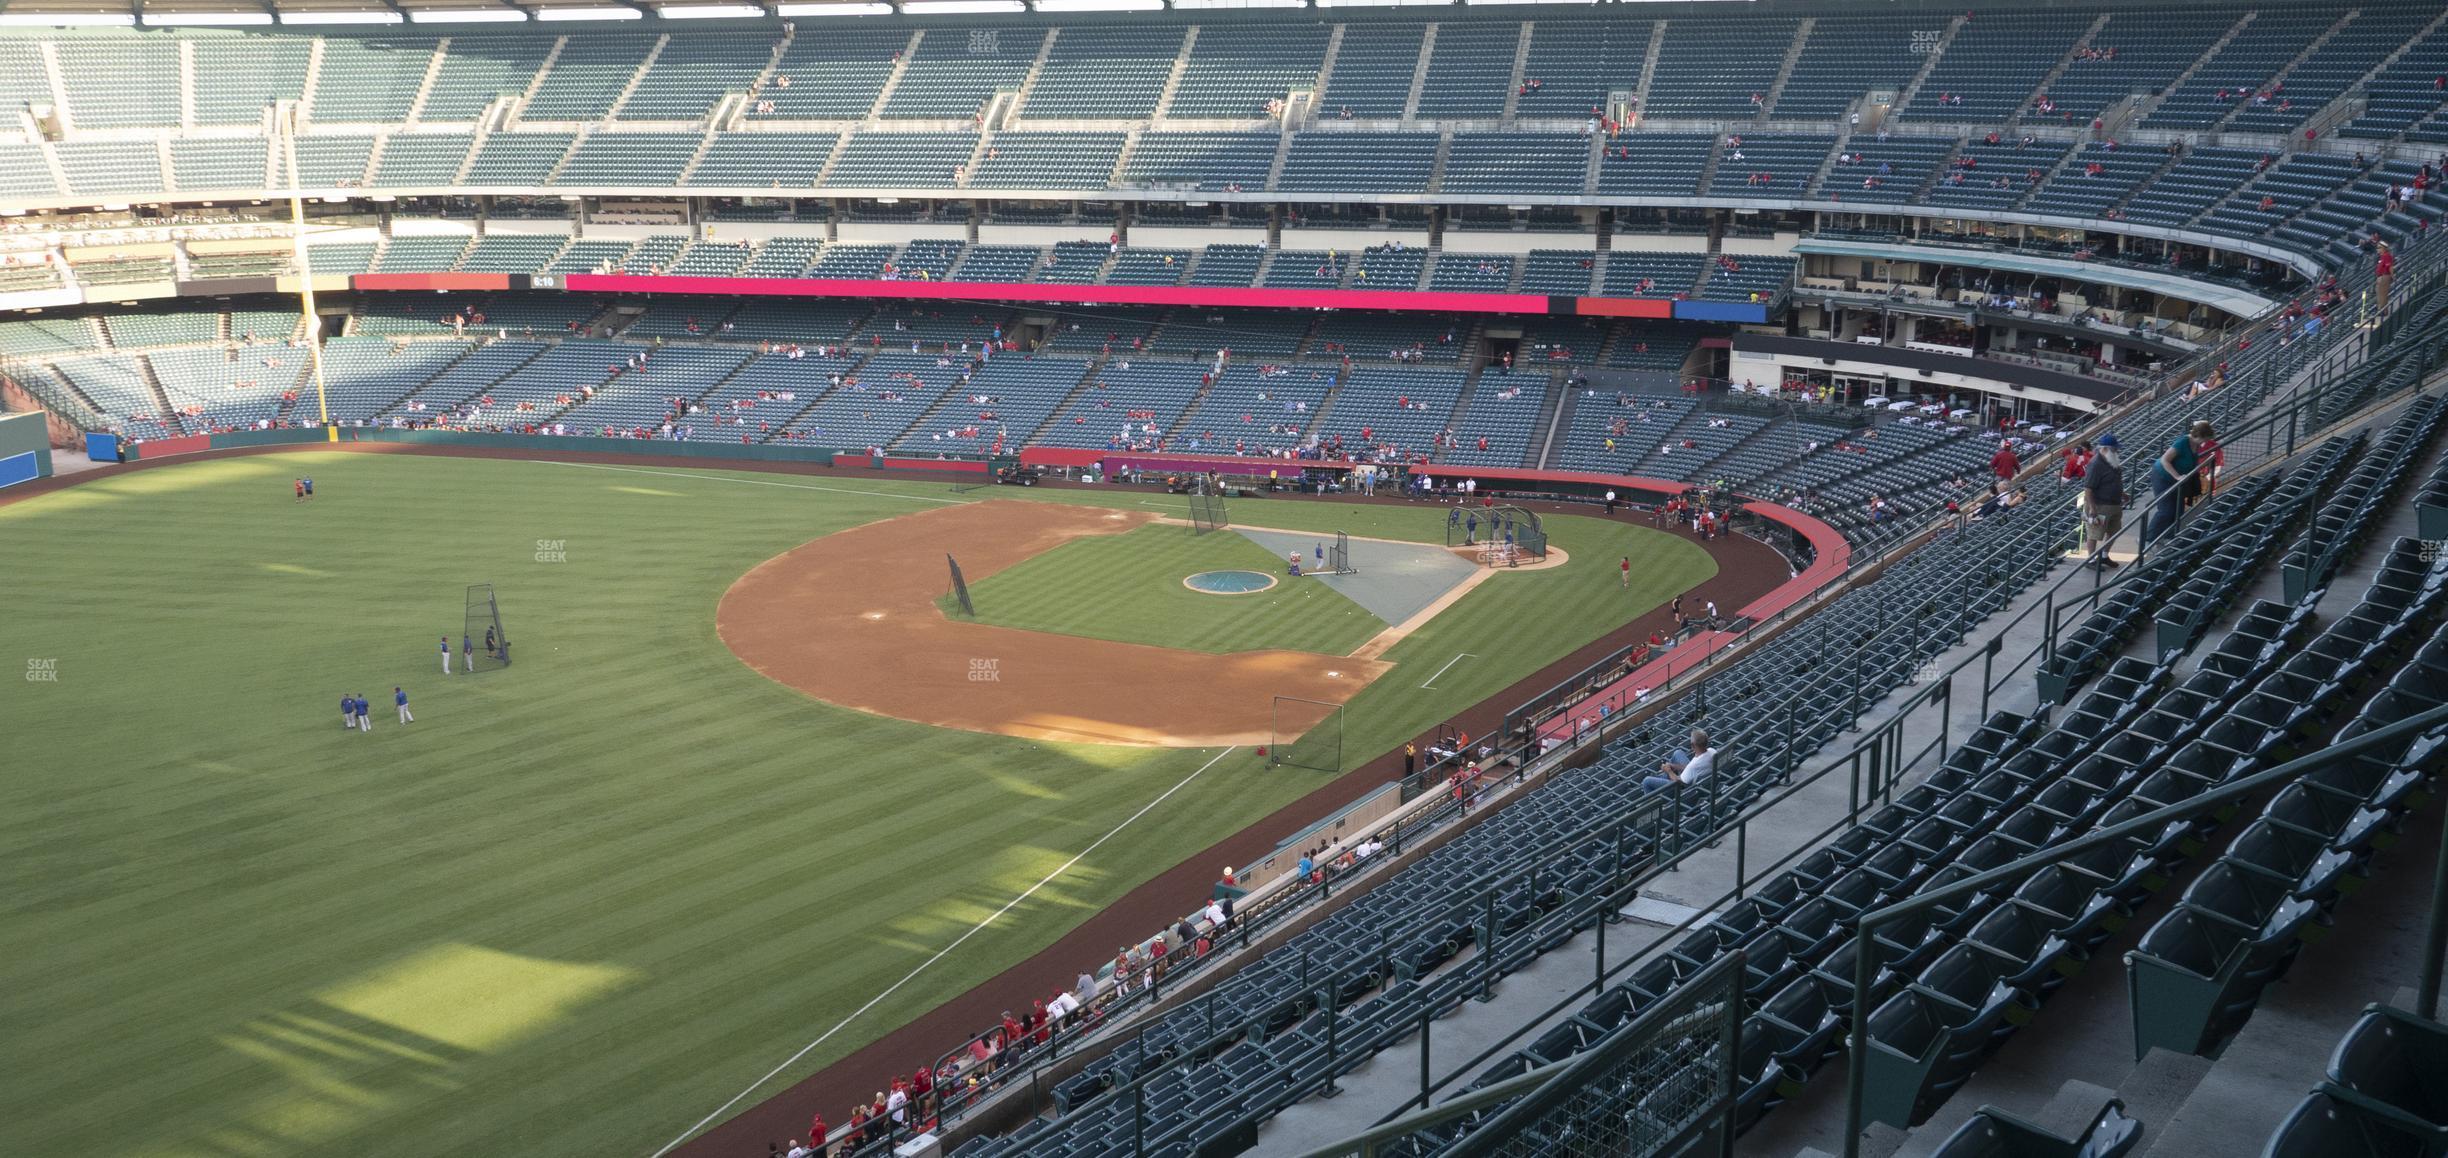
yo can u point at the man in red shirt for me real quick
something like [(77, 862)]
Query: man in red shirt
[(2004, 464), (2384, 272), (2077, 457)]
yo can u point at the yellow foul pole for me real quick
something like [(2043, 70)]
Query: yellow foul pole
[(306, 298)]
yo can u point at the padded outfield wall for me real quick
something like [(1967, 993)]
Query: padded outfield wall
[(25, 447)]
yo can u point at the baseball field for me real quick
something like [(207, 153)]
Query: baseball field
[(743, 788)]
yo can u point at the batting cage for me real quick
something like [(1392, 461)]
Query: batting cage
[(484, 630), (1207, 512), (1306, 734), (1504, 536), (1338, 556)]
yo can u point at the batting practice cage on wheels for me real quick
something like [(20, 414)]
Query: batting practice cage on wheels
[(1505, 536), (1207, 511), (484, 629), (1307, 734), (1338, 556)]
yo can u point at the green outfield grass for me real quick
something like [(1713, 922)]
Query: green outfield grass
[(1128, 587), (582, 901)]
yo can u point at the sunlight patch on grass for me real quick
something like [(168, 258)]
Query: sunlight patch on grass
[(1021, 786), (475, 998)]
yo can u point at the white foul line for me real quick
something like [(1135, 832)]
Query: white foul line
[(1449, 663), (757, 482), (719, 1111)]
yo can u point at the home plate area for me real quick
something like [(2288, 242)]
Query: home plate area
[(1393, 581)]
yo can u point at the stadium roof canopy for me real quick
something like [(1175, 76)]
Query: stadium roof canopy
[(241, 13)]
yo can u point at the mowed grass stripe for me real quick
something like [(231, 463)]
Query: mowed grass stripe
[(1128, 587), (195, 856)]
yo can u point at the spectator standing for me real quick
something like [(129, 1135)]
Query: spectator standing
[(2174, 467), (2103, 499), (2004, 464)]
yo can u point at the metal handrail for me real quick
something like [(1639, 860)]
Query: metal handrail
[(1868, 923)]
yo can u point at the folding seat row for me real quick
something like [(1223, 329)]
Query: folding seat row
[(518, 159), (1751, 277), (1234, 70), (2199, 972), (1573, 65), (2333, 66), (1930, 1034), (2373, 486), (2242, 67), (1543, 163), (631, 160), (383, 78), (1373, 70), (1847, 56), (1320, 161), (1558, 271), (1992, 67), (695, 71), (1469, 69), (1994, 1133), (955, 71), (1716, 68), (1104, 73), (2077, 191), (1228, 265), (2000, 175), (2289, 187), (1660, 164), (2201, 596), (1769, 164), (2382, 1097), (2151, 49), (2236, 522), (1890, 171), (1029, 160), (511, 252)]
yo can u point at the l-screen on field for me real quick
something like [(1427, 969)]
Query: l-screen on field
[(587, 898)]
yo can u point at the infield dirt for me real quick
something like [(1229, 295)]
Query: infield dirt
[(851, 619)]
